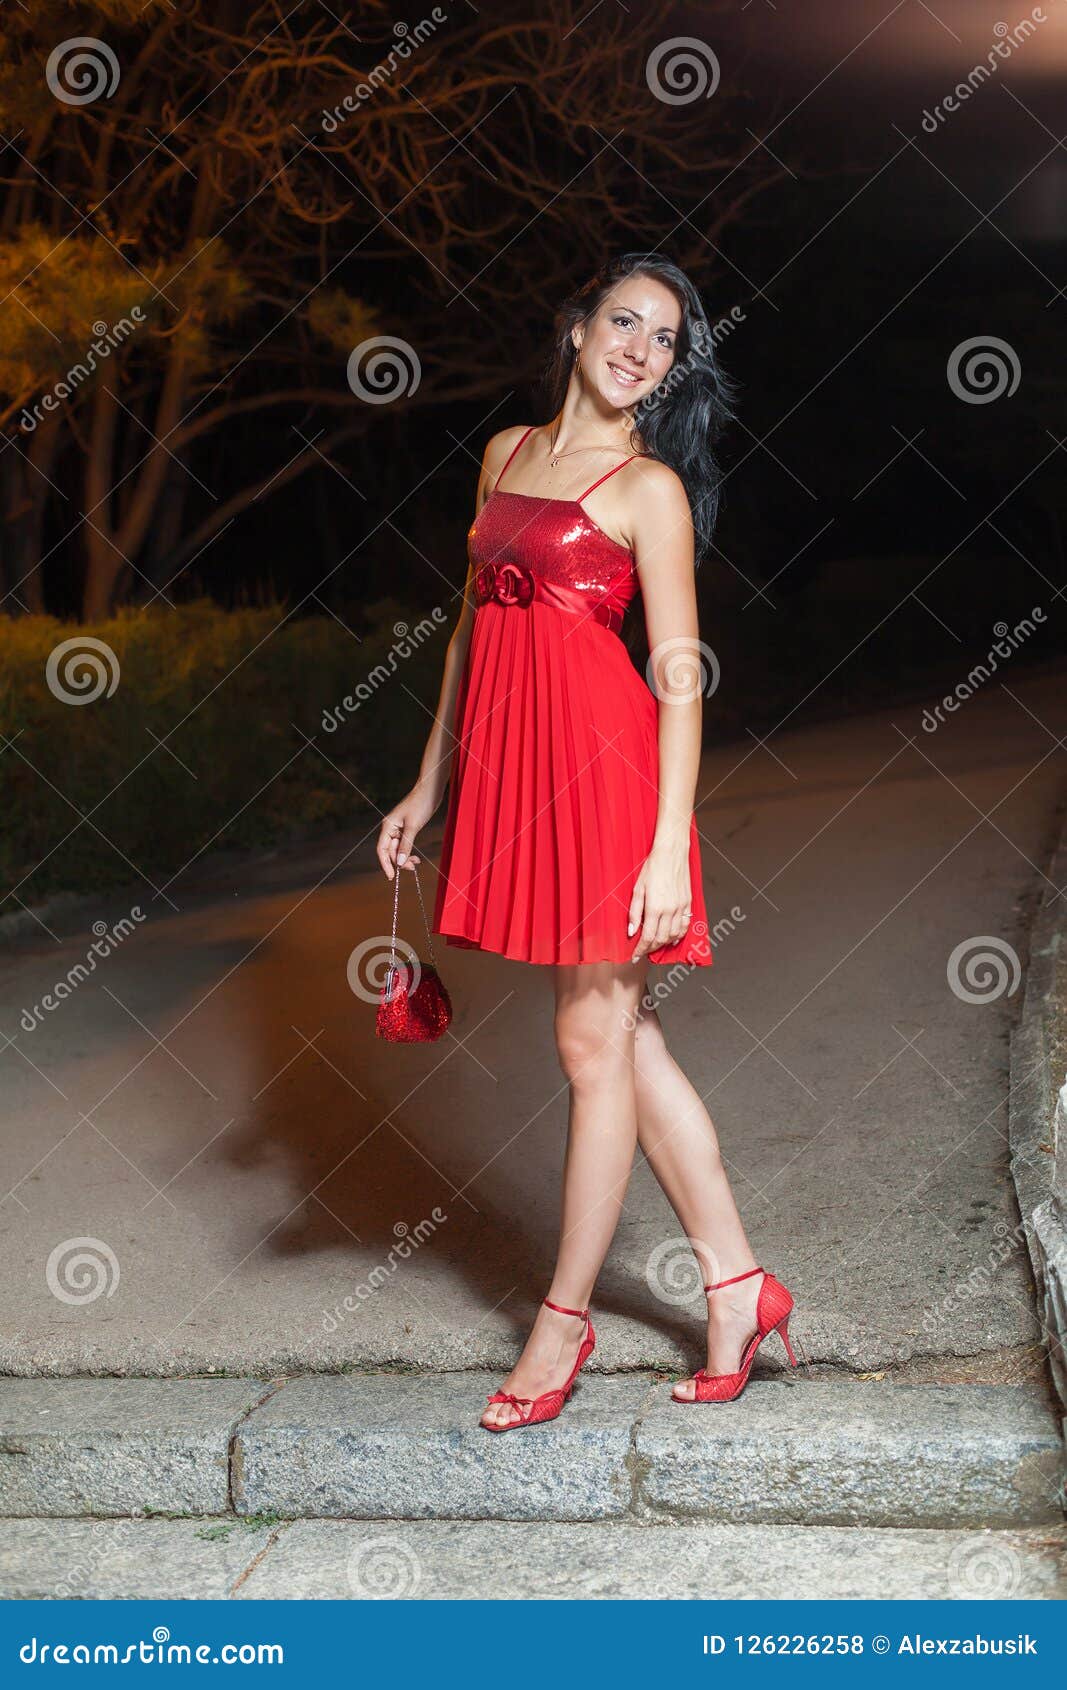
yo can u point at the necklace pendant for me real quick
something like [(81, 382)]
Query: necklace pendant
[(554, 462)]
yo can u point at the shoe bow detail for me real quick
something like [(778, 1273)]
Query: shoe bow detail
[(509, 1396)]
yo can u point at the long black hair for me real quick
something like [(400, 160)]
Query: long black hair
[(683, 418)]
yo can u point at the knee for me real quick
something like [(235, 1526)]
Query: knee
[(588, 1050)]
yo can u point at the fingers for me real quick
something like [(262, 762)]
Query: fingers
[(637, 907), (662, 928), (388, 835), (395, 839)]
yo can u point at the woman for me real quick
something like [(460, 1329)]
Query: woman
[(570, 837)]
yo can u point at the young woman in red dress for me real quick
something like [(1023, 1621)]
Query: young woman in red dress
[(570, 838)]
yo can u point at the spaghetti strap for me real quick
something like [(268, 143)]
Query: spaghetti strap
[(596, 484), (521, 442)]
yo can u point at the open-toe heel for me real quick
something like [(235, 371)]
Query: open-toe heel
[(546, 1407)]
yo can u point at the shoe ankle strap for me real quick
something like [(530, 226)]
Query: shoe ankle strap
[(582, 1313), (737, 1276)]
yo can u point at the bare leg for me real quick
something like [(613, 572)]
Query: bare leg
[(596, 1006), (676, 1134)]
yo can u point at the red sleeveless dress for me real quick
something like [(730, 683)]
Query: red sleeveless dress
[(554, 785)]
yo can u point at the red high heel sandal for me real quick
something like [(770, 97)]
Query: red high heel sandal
[(548, 1405), (773, 1308)]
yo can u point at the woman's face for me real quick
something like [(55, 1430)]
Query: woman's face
[(628, 344)]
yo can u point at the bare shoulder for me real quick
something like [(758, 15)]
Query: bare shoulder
[(658, 490), (500, 447), (661, 521)]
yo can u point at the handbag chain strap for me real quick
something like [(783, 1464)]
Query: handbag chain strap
[(396, 904)]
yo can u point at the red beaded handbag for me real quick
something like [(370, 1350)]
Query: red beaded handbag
[(415, 1007)]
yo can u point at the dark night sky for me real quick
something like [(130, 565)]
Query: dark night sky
[(856, 472)]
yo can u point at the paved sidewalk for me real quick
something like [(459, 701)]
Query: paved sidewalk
[(212, 1112), (431, 1560)]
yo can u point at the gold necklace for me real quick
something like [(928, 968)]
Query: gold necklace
[(555, 457)]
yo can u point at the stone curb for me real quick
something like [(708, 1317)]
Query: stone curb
[(811, 1452), (120, 1446), (1038, 1114), (843, 1454), (383, 1445)]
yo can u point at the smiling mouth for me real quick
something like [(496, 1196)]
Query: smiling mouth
[(624, 376)]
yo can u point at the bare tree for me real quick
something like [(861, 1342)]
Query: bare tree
[(249, 192)]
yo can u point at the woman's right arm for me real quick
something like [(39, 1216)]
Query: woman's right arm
[(418, 806)]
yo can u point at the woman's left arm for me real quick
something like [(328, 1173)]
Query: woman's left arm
[(662, 537)]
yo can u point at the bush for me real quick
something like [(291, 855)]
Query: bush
[(213, 735)]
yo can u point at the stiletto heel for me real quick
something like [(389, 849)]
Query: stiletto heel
[(784, 1330), (774, 1305), (546, 1407)]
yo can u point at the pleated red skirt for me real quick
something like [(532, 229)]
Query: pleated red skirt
[(554, 795)]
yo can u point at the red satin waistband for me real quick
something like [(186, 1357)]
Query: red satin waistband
[(513, 584)]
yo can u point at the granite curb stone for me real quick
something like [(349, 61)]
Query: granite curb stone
[(386, 1445), (843, 1453), (119, 1446)]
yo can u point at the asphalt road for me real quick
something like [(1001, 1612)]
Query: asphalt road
[(212, 1111)]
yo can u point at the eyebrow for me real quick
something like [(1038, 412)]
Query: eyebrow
[(664, 328)]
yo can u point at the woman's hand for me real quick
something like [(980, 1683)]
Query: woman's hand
[(662, 901), (400, 826)]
